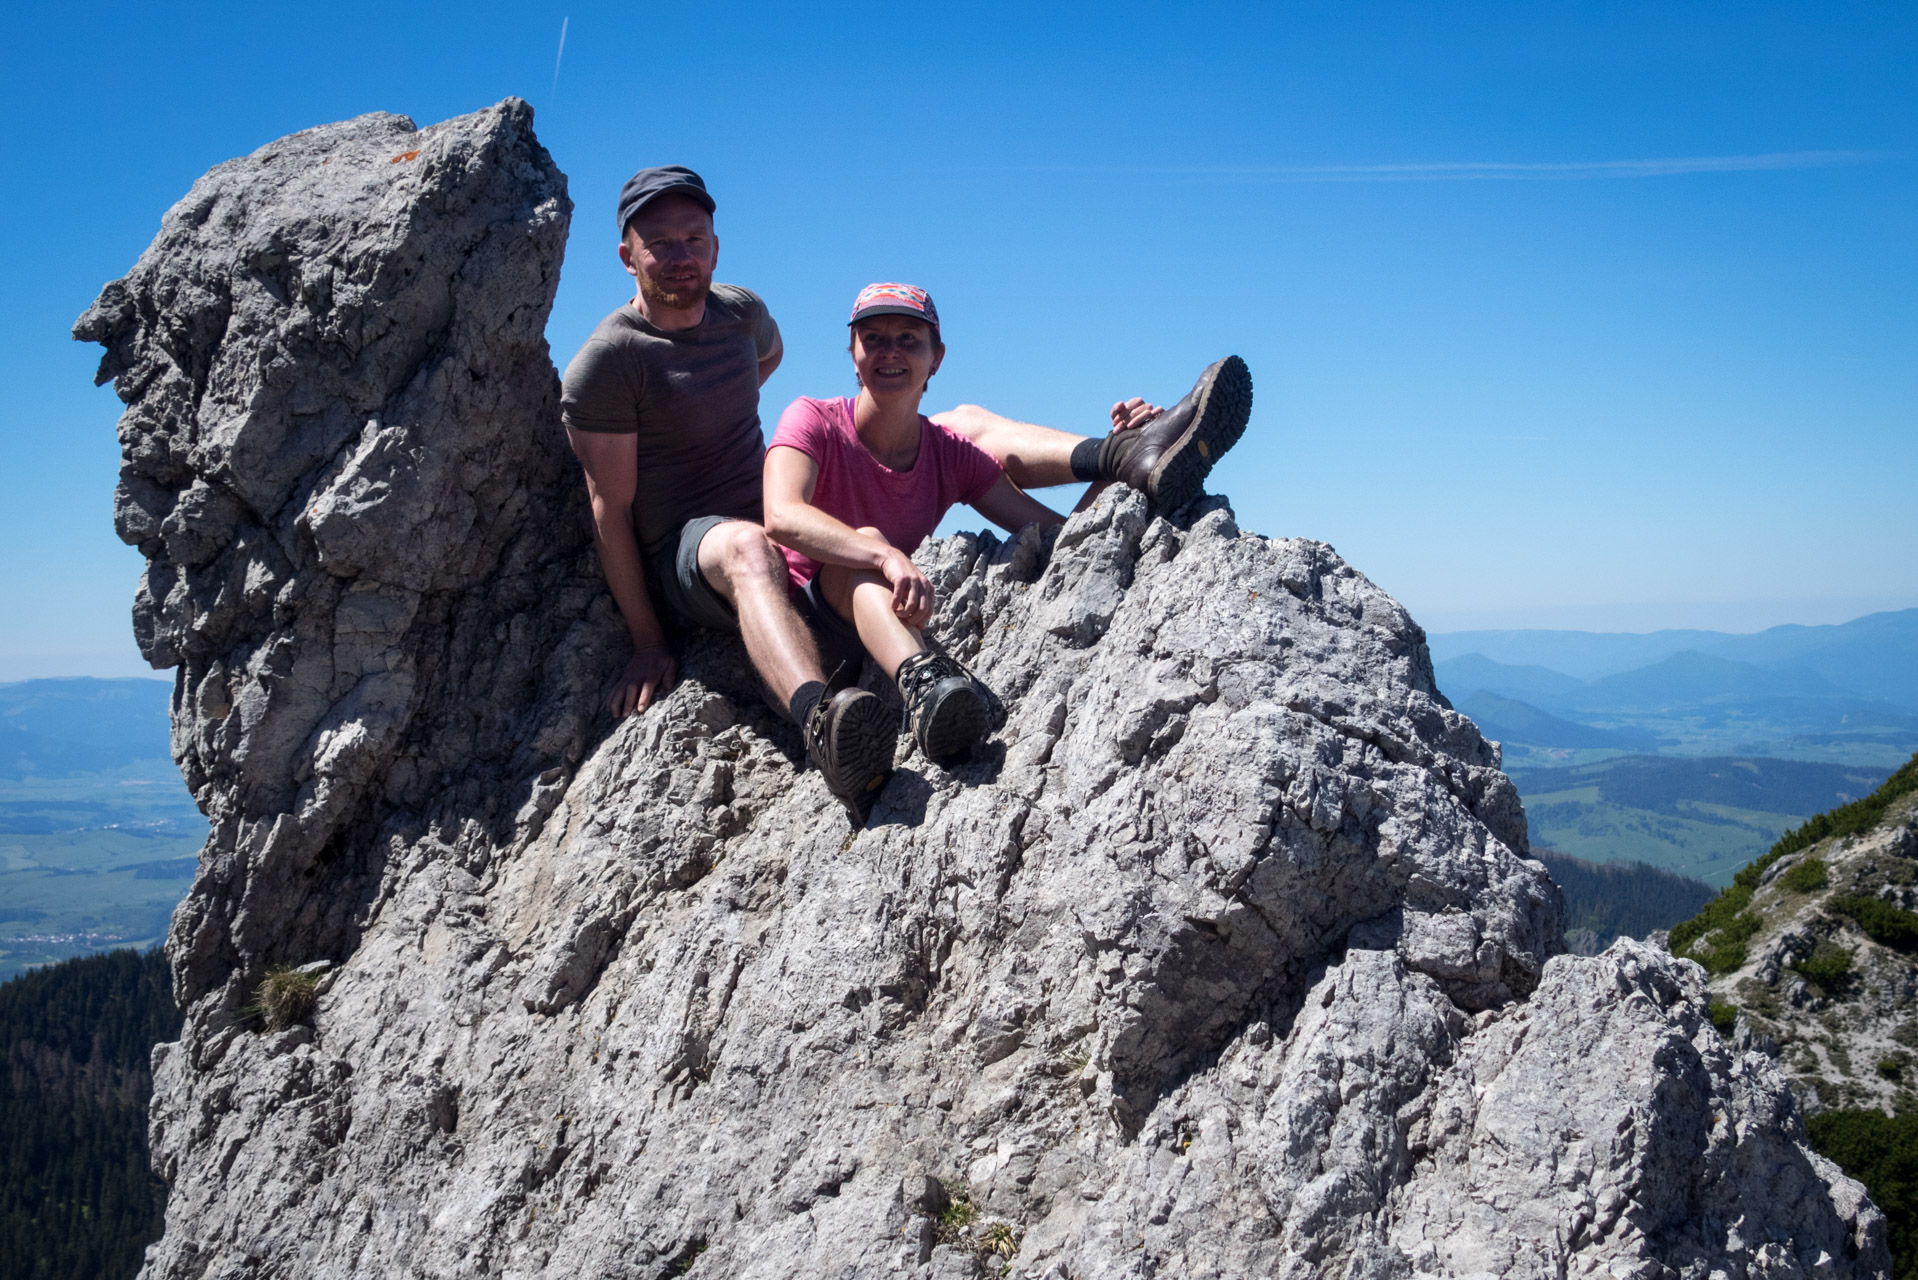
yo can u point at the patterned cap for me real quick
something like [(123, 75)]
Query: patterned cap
[(895, 300)]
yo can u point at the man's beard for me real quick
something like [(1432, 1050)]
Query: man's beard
[(685, 300)]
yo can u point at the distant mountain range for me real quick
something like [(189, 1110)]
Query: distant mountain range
[(60, 728), (1844, 694), (1689, 750), (1874, 657)]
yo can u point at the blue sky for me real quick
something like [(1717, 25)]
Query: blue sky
[(1560, 315)]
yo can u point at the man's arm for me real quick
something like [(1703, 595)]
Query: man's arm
[(611, 463), (775, 353), (793, 521), (1012, 508)]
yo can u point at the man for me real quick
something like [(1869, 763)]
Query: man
[(661, 406)]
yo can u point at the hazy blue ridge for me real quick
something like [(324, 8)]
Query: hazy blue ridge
[(1701, 700), (1510, 720), (1471, 671), (103, 713), (1582, 655), (1875, 656), (1665, 784), (1693, 677), (34, 755)]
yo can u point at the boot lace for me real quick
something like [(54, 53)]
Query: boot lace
[(921, 673)]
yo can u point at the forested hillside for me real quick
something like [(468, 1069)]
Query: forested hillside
[(1605, 901), (77, 1199)]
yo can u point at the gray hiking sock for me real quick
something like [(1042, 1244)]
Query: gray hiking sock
[(1085, 460), (804, 699), (1103, 459)]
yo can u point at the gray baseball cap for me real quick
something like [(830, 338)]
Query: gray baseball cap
[(650, 184)]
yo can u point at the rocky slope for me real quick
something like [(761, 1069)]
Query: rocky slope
[(1817, 958), (1226, 960)]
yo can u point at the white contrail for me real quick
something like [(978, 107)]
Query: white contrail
[(561, 54)]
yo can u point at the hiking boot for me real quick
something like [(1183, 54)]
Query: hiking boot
[(849, 737), (948, 708), (1174, 452)]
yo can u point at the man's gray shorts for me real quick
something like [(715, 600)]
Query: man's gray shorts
[(683, 589), (691, 600)]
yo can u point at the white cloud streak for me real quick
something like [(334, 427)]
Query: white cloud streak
[(1478, 170), (561, 54), (1549, 171)]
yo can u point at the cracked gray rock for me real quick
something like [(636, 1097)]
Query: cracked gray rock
[(1224, 959)]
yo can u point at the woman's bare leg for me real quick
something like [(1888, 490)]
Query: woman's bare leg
[(864, 598)]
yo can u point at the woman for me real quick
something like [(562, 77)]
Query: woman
[(853, 485)]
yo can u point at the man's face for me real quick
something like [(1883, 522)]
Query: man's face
[(670, 248), (894, 353)]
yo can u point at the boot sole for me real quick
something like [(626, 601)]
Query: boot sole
[(957, 722), (1225, 406), (861, 746)]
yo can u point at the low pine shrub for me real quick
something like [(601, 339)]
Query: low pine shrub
[(1724, 1016), (1849, 819), (1882, 922), (1728, 943), (1807, 875), (1828, 966), (1880, 1151), (1718, 914)]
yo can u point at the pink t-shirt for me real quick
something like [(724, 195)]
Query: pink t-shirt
[(856, 488)]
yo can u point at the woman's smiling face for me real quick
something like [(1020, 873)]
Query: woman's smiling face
[(895, 354)]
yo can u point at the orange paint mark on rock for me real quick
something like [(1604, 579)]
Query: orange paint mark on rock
[(404, 155)]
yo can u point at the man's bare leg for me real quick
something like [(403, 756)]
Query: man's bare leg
[(850, 740), (1165, 455), (745, 567), (1035, 457)]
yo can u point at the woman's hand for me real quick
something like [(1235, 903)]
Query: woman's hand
[(1130, 414), (912, 597)]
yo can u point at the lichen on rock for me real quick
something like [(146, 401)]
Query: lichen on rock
[(1225, 958)]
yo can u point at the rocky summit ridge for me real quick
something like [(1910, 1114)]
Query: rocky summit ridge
[(1225, 960)]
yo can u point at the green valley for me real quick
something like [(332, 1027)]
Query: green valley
[(98, 836)]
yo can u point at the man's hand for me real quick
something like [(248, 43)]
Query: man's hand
[(911, 590), (647, 676), (1133, 413)]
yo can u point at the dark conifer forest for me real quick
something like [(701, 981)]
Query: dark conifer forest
[(1616, 899), (77, 1200)]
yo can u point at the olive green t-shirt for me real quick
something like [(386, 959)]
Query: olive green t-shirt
[(692, 398)]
